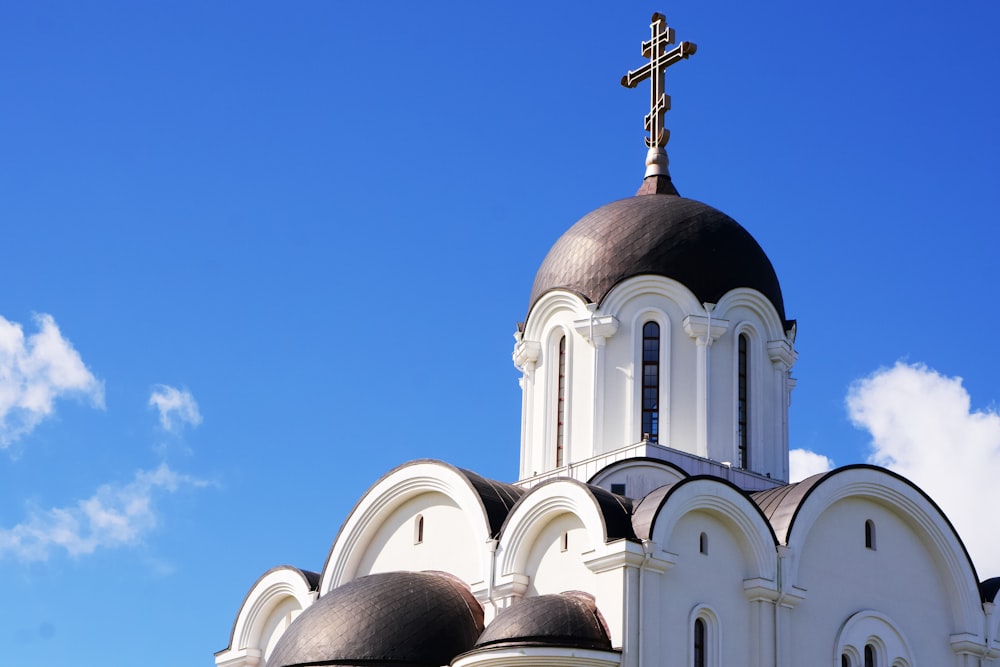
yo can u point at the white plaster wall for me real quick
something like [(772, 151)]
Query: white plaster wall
[(678, 365), (448, 545), (714, 579), (277, 622), (552, 570), (899, 579)]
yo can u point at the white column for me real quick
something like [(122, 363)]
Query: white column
[(525, 359), (705, 330), (782, 358)]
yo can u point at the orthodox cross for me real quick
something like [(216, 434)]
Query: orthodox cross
[(659, 60)]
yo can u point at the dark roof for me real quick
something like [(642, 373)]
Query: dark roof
[(781, 504), (497, 498), (615, 511), (404, 619), (569, 620), (657, 234), (989, 588), (648, 508)]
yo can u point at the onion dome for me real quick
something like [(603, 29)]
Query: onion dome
[(661, 235), (403, 619), (569, 620)]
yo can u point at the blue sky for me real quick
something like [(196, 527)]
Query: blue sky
[(256, 254)]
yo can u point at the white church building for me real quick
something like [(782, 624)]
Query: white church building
[(652, 523)]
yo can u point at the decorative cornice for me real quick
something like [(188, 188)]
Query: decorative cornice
[(781, 353), (697, 326), (602, 327)]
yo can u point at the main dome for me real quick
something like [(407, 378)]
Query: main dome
[(657, 234)]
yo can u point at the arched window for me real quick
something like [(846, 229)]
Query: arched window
[(561, 404), (870, 535), (703, 543), (743, 401), (845, 660), (869, 655), (651, 381), (699, 643), (418, 529)]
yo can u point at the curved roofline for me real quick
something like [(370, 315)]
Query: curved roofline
[(672, 488), (661, 234), (605, 502), (645, 459), (311, 578), (492, 524), (816, 480)]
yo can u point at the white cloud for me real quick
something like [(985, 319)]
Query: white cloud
[(177, 407), (115, 515), (36, 371), (923, 427), (803, 463)]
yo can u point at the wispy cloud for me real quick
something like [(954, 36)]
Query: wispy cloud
[(803, 463), (177, 407), (923, 427), (116, 515), (34, 372)]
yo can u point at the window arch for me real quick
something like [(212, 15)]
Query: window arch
[(418, 529), (705, 638), (700, 632), (870, 542), (703, 543), (651, 381), (870, 638), (561, 402), (743, 400)]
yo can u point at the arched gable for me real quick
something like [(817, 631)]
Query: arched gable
[(548, 306), (604, 516), (660, 286), (794, 513), (483, 503), (279, 593), (658, 514), (640, 474), (758, 304)]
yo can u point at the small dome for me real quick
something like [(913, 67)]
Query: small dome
[(411, 619), (566, 620), (657, 234)]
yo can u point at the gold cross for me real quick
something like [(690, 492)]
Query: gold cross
[(659, 60)]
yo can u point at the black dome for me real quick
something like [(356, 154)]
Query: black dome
[(565, 620), (404, 619), (663, 235)]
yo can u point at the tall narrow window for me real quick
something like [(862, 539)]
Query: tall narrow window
[(870, 535), (699, 643), (845, 660), (651, 381), (869, 655), (418, 529), (561, 404), (743, 402), (703, 543)]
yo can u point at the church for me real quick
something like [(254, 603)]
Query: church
[(653, 522)]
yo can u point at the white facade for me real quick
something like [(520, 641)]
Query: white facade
[(698, 371)]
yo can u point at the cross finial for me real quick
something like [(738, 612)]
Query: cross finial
[(661, 36)]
